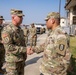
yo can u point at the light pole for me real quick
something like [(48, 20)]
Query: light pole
[(59, 6)]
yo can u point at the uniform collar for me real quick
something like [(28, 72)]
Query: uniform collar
[(52, 31), (15, 27), (56, 28)]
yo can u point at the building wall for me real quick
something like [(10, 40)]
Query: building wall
[(63, 22), (71, 16), (70, 5)]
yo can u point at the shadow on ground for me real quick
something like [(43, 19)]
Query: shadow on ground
[(32, 61)]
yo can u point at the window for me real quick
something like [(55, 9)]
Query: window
[(74, 19), (74, 10)]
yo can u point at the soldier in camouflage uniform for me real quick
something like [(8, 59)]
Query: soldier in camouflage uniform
[(14, 43), (2, 52), (56, 58), (33, 35), (26, 34)]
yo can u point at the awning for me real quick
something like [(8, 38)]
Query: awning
[(70, 4)]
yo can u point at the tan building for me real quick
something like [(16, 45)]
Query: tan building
[(63, 22), (71, 11)]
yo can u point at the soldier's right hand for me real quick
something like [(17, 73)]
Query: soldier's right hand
[(29, 51)]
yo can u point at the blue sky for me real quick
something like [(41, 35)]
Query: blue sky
[(34, 10)]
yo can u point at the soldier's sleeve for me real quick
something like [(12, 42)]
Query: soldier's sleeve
[(61, 44), (8, 44), (34, 32), (63, 49), (27, 30), (39, 49)]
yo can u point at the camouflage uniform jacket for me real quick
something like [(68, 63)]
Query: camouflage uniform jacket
[(0, 33), (32, 31), (1, 45), (25, 32), (56, 56), (14, 43)]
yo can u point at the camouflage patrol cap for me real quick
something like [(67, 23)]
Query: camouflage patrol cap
[(1, 18), (17, 12), (32, 24), (52, 15)]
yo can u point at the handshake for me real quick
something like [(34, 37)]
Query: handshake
[(30, 50)]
